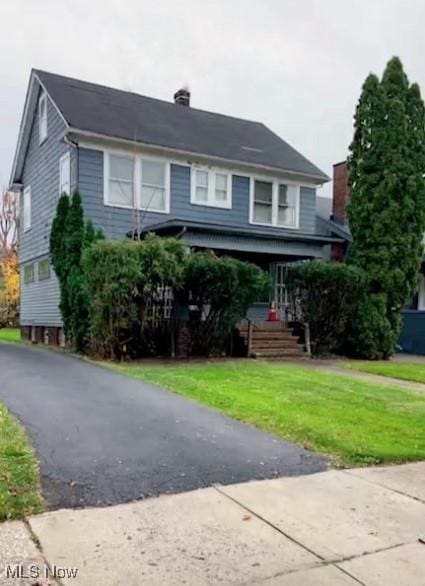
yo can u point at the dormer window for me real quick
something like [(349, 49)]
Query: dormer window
[(42, 118)]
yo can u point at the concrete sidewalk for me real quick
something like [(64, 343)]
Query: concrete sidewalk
[(334, 528), (337, 366)]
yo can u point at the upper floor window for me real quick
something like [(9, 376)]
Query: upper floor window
[(153, 192), (136, 182), (274, 203), (211, 188), (26, 208), (42, 118), (287, 205), (263, 202), (119, 175), (65, 174)]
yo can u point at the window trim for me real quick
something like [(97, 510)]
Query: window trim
[(167, 183), (27, 266), (48, 274), (42, 120), (66, 157), (275, 201), (26, 210), (137, 180), (211, 202)]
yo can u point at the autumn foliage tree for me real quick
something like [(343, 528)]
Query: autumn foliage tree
[(9, 270)]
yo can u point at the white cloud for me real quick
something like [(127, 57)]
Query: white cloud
[(296, 65)]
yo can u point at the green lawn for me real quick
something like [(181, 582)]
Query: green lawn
[(19, 476), (403, 370), (356, 422), (10, 335)]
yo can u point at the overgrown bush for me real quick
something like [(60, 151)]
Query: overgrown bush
[(122, 279), (220, 291), (328, 294), (126, 285), (370, 334)]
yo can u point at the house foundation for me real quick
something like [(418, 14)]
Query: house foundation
[(47, 335)]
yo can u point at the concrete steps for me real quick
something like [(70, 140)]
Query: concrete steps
[(272, 340)]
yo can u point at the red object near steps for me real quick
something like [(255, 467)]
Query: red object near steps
[(273, 313)]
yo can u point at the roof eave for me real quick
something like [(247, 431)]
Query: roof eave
[(24, 128), (88, 134)]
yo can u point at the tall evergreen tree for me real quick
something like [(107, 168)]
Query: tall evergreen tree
[(59, 258), (69, 236), (387, 209)]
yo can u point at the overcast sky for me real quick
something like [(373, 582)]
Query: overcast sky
[(296, 65)]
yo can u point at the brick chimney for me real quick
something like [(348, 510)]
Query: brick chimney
[(182, 97), (341, 193)]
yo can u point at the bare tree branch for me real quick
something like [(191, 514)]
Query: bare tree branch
[(9, 212)]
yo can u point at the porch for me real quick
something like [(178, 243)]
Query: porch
[(272, 249)]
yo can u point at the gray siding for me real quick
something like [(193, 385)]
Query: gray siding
[(40, 300), (116, 222), (41, 172)]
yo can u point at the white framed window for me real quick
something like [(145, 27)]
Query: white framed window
[(29, 273), (154, 185), (43, 270), (136, 182), (263, 202), (119, 180), (287, 205), (42, 118), (65, 174), (211, 187), (26, 208), (274, 203), (201, 186)]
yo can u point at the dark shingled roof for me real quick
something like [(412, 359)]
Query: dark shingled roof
[(126, 115)]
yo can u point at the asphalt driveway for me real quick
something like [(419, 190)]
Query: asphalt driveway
[(103, 438)]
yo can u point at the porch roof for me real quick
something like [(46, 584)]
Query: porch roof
[(206, 235)]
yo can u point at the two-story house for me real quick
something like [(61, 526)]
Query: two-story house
[(147, 165)]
